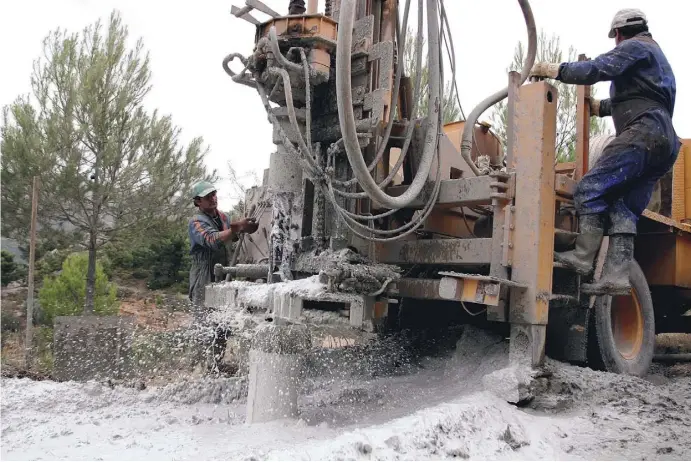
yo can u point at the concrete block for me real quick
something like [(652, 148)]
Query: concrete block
[(287, 306)]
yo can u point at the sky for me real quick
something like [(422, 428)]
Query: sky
[(188, 40)]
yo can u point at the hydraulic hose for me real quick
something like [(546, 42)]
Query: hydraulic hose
[(282, 61), (237, 78), (293, 118), (411, 125), (467, 141), (347, 116)]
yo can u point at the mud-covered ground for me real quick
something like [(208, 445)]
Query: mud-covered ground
[(438, 409)]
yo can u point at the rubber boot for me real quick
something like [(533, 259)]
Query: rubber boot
[(580, 259), (615, 274)]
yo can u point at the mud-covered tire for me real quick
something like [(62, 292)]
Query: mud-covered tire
[(622, 334)]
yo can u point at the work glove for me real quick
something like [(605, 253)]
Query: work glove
[(549, 70), (594, 106)]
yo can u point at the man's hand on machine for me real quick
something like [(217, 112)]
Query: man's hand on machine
[(594, 106), (246, 225), (545, 70)]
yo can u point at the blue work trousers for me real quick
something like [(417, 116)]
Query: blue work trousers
[(622, 180)]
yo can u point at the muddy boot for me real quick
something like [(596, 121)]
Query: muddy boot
[(591, 230), (615, 274)]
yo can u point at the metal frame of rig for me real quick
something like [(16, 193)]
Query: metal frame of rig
[(425, 221)]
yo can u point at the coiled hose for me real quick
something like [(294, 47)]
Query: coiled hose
[(347, 117)]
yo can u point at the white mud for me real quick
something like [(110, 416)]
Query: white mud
[(440, 410)]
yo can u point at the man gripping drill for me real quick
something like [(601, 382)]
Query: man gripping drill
[(209, 231), (616, 190)]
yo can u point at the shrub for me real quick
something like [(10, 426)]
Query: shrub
[(10, 323), (51, 262), (64, 294), (11, 270)]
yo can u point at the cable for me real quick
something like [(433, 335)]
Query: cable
[(470, 312), (466, 142), (409, 130), (347, 116)]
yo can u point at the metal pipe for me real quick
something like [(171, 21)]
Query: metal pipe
[(312, 6), (672, 358), (347, 116), (467, 140)]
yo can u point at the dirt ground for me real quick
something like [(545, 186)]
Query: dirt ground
[(437, 408)]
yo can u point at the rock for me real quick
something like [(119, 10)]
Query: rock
[(394, 443), (514, 437), (515, 384), (364, 448), (457, 451)]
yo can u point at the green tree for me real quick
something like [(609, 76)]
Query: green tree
[(65, 294), (550, 50), (106, 164), (10, 270), (451, 111)]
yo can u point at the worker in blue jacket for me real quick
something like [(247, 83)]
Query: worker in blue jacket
[(616, 190)]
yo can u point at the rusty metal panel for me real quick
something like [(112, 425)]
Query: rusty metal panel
[(436, 252), (485, 141), (681, 195), (502, 223), (656, 255), (665, 258), (513, 101), (421, 289), (454, 193), (533, 248), (469, 290), (582, 128), (678, 211), (450, 289), (565, 167), (683, 261)]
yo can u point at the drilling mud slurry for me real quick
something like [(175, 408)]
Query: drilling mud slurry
[(437, 409)]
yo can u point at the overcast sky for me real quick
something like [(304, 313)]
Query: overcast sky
[(188, 40)]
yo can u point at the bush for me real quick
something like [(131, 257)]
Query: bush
[(168, 257), (161, 258), (64, 294), (11, 270), (10, 323), (51, 262)]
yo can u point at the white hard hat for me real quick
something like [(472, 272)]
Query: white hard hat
[(627, 17)]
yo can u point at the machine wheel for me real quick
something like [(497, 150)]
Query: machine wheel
[(622, 338)]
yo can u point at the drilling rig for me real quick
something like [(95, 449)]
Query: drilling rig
[(398, 214)]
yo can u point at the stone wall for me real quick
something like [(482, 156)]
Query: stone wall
[(92, 347)]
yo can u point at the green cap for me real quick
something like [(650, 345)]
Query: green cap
[(202, 188)]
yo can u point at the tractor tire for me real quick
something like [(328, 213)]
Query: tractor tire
[(597, 144), (622, 329)]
